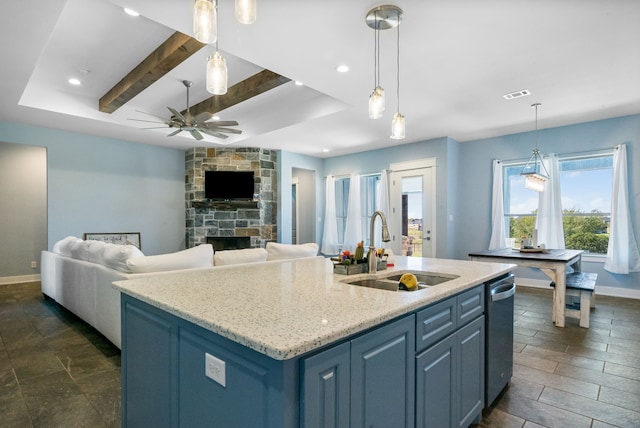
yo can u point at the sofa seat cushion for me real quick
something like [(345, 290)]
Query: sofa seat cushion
[(277, 251), (235, 257), (196, 257)]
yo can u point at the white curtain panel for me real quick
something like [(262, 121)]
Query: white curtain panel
[(549, 218), (382, 204), (622, 253), (498, 235), (330, 244), (353, 229)]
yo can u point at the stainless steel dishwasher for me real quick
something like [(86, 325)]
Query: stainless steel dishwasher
[(498, 335)]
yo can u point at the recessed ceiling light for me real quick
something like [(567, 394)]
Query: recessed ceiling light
[(299, 83), (75, 82), (131, 12), (517, 94), (342, 68), (215, 118), (325, 150)]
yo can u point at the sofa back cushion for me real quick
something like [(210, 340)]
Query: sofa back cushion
[(196, 257), (110, 255), (235, 257), (277, 251)]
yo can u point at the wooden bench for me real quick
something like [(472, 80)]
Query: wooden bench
[(583, 285)]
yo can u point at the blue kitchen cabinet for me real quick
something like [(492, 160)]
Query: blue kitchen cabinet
[(325, 399), (450, 371), (367, 381)]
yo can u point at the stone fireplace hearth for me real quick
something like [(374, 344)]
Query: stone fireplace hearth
[(255, 220)]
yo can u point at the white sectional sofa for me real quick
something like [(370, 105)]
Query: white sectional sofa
[(79, 274)]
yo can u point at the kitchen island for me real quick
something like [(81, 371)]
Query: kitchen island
[(235, 346)]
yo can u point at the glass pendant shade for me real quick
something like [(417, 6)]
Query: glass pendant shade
[(376, 103), (397, 127), (534, 182), (217, 74), (205, 24), (246, 11)]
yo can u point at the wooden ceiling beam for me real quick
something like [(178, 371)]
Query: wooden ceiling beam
[(168, 55), (255, 85)]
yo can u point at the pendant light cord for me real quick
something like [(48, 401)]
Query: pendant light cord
[(376, 53), (398, 66)]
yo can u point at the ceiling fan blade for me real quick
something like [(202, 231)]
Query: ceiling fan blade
[(204, 116), (222, 123), (156, 127), (198, 136), (177, 131), (214, 134), (151, 114), (142, 120), (228, 130), (177, 114)]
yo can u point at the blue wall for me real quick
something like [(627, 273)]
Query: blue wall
[(464, 180), (475, 180), (103, 185), (287, 162), (377, 160)]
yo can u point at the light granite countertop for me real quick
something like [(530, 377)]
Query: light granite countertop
[(288, 308)]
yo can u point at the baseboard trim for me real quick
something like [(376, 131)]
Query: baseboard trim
[(19, 279), (626, 293)]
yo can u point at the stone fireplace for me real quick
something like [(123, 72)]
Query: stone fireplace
[(254, 221)]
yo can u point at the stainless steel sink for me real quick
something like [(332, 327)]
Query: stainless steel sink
[(392, 282), (382, 284), (427, 278)]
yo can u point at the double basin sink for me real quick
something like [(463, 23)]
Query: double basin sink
[(392, 282)]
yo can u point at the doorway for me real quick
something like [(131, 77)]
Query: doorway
[(412, 200)]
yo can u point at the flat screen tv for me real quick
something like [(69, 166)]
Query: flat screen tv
[(228, 185)]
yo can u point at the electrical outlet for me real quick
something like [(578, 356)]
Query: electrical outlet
[(215, 369), (34, 265)]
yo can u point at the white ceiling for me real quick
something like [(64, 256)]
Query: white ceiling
[(579, 58)]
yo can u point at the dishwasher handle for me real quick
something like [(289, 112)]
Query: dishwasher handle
[(502, 292)]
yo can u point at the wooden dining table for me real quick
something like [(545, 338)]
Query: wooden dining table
[(553, 262)]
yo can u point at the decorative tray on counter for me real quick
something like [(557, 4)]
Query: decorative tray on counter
[(354, 269), (533, 250)]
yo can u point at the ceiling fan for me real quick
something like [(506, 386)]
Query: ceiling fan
[(195, 125)]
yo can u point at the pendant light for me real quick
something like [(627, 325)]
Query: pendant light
[(217, 70), (397, 124), (380, 18), (535, 178), (376, 99), (205, 21), (246, 11)]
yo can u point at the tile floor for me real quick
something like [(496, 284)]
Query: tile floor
[(55, 371), (572, 377)]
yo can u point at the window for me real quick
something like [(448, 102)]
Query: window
[(585, 183), (369, 185)]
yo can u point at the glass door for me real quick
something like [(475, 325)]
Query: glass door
[(412, 212)]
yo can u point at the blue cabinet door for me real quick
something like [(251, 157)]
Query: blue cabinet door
[(450, 379), (326, 388), (383, 376), (436, 384), (148, 355), (471, 367)]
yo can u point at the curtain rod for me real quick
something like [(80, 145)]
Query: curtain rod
[(368, 174), (564, 155)]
